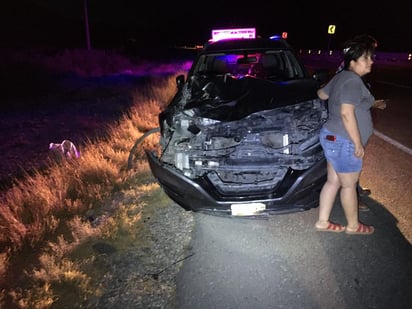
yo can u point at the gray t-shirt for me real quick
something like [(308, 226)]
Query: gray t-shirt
[(348, 87)]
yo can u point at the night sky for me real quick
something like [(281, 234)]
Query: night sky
[(60, 23)]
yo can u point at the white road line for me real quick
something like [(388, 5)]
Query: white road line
[(393, 142), (393, 84)]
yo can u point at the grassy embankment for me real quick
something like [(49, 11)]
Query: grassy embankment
[(47, 215)]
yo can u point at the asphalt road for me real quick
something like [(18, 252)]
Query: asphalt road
[(282, 262)]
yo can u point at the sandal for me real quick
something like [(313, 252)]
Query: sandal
[(362, 229), (332, 227)]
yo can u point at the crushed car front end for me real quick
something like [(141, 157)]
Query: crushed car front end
[(242, 143)]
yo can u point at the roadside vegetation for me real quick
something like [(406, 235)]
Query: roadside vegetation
[(48, 215)]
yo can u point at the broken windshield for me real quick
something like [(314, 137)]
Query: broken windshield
[(279, 65)]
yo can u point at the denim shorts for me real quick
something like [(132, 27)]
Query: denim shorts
[(340, 152)]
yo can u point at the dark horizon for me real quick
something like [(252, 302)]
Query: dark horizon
[(61, 24)]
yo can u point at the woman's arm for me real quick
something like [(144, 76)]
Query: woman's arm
[(347, 112)]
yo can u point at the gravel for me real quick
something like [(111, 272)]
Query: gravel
[(145, 276)]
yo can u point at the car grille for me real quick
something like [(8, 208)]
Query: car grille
[(236, 183)]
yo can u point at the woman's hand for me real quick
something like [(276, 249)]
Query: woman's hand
[(380, 104), (322, 94), (359, 151)]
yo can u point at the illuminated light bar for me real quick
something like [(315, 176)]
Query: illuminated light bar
[(275, 37), (238, 33)]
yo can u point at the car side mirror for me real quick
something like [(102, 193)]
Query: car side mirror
[(180, 80)]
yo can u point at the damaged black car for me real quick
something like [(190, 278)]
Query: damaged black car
[(241, 135)]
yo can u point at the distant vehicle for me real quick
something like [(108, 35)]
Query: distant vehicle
[(240, 136)]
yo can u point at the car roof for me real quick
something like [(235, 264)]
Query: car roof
[(246, 44)]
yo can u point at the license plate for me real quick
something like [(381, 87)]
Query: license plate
[(247, 209)]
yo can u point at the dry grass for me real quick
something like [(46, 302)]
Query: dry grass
[(47, 215)]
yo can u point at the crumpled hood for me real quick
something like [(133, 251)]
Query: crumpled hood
[(242, 97)]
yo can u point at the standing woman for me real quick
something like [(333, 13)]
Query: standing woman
[(345, 135)]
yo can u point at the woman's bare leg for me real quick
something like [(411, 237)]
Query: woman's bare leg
[(349, 198), (327, 196)]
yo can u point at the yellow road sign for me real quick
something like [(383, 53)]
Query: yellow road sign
[(331, 29)]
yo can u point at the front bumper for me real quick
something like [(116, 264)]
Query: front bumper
[(299, 191)]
